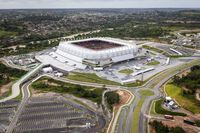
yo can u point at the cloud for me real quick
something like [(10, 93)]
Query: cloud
[(98, 3)]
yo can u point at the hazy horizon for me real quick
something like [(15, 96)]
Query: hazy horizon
[(72, 4)]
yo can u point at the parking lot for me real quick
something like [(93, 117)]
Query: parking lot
[(49, 114), (7, 110)]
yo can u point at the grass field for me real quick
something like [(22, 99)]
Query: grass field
[(93, 78), (146, 93), (136, 116), (160, 110), (153, 63), (126, 71), (7, 75), (46, 84), (136, 113), (6, 34), (90, 77), (153, 49), (137, 83), (152, 111), (187, 101)]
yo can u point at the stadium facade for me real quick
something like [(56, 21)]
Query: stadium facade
[(95, 53)]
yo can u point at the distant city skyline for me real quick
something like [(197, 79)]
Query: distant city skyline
[(21, 4)]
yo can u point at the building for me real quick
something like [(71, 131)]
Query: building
[(47, 70), (95, 53)]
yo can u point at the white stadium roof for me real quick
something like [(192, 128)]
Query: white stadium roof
[(69, 56), (78, 51)]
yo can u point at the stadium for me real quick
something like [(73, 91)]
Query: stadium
[(95, 53)]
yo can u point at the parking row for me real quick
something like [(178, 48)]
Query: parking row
[(42, 125), (7, 110), (46, 110), (43, 104), (10, 103), (81, 121), (52, 112), (48, 124), (39, 99), (50, 116)]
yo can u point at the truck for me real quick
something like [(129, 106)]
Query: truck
[(168, 117)]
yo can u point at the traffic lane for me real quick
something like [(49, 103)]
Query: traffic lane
[(132, 108), (122, 120), (20, 108)]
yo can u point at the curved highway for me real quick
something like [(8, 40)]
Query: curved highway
[(25, 97), (26, 93), (16, 85), (153, 84)]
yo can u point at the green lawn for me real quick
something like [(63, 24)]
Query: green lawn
[(137, 83), (187, 101), (146, 93), (136, 113), (93, 78), (126, 71), (153, 49), (152, 111), (46, 84), (90, 77), (136, 116), (153, 63), (7, 75), (160, 110), (6, 33)]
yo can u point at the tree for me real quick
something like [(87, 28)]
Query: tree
[(196, 67), (112, 98)]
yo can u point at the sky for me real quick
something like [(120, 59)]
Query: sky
[(19, 4)]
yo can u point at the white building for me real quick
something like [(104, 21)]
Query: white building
[(47, 69), (92, 52), (58, 74)]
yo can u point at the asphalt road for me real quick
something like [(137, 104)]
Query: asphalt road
[(16, 85), (135, 90), (26, 95), (156, 82)]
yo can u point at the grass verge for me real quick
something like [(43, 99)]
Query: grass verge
[(136, 116), (136, 113), (126, 71), (145, 93), (153, 63), (90, 77), (46, 84), (155, 50), (186, 101)]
